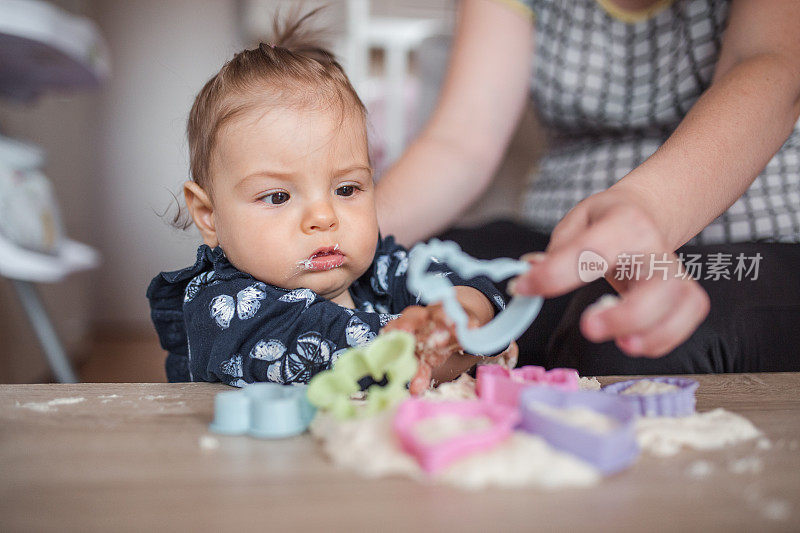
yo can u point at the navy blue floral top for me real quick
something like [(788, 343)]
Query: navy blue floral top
[(218, 323)]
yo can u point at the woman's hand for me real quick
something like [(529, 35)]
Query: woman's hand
[(654, 315)]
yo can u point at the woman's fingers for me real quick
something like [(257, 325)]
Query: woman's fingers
[(651, 319), (674, 330), (617, 233), (610, 235), (644, 306)]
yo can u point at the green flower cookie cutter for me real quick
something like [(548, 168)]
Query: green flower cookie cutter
[(390, 355), (433, 287)]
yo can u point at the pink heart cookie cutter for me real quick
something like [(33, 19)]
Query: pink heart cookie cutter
[(500, 385), (433, 457)]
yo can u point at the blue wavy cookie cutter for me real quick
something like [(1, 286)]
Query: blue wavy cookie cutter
[(263, 410), (433, 287)]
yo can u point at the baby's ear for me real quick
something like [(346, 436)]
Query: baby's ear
[(202, 211)]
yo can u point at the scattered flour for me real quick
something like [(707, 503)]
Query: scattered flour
[(702, 431), (576, 416), (44, 407), (770, 508), (747, 465), (437, 429), (369, 447), (589, 384), (776, 509), (108, 397), (647, 387), (208, 443), (700, 469), (462, 388)]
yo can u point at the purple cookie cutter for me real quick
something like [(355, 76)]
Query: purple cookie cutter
[(608, 451), (500, 385), (674, 403)]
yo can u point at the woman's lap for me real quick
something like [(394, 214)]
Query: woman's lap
[(753, 325)]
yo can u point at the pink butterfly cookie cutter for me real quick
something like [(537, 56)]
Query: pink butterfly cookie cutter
[(496, 384), (433, 457)]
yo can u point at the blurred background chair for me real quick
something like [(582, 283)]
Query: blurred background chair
[(42, 48), (396, 38)]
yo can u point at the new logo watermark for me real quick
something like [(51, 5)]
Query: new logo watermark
[(591, 266), (714, 266)]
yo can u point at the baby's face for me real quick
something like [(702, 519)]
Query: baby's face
[(293, 198)]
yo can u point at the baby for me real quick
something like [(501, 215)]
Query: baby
[(293, 270)]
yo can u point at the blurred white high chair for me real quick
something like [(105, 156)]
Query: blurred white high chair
[(41, 48), (397, 37)]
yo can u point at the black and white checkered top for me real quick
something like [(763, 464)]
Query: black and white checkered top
[(610, 91)]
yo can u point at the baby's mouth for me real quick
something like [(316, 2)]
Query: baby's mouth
[(326, 258)]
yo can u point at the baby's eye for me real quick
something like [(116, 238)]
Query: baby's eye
[(346, 190), (276, 198)]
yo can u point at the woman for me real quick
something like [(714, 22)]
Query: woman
[(665, 119)]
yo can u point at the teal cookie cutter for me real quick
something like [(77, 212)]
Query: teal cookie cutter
[(263, 410), (390, 355), (433, 287)]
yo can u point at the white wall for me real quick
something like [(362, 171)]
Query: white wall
[(162, 53)]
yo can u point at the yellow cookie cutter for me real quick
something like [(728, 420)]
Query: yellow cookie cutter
[(390, 355)]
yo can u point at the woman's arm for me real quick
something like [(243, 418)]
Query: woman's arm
[(735, 127), (454, 158), (712, 157)]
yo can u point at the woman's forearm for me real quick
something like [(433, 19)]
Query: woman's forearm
[(720, 147), (424, 192)]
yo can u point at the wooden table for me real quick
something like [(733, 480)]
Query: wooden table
[(128, 457)]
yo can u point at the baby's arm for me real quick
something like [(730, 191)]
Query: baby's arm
[(243, 331)]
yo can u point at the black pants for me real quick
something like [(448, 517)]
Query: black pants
[(753, 325)]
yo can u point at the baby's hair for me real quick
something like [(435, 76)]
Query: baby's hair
[(293, 69)]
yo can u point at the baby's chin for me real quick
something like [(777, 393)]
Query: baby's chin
[(327, 283)]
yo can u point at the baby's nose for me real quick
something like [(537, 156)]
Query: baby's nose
[(320, 217)]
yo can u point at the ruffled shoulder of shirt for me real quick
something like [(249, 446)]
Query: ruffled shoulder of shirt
[(166, 294)]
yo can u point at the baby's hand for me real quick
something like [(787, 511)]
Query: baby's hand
[(436, 340)]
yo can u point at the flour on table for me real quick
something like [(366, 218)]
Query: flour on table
[(588, 384), (44, 407), (647, 387), (462, 388), (702, 431), (208, 443), (747, 465), (700, 469), (776, 509), (369, 447), (438, 429), (581, 417)]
